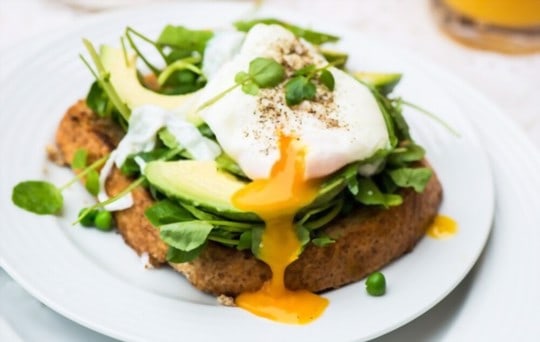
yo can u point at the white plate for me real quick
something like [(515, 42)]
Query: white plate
[(95, 280)]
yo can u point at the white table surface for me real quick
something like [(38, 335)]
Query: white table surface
[(511, 82)]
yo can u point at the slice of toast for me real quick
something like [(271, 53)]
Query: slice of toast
[(366, 239)]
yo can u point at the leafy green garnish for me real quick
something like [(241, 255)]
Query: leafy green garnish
[(165, 212), (102, 77), (188, 63), (79, 159), (406, 154), (183, 39), (178, 256), (298, 89), (92, 182), (98, 101), (301, 86), (186, 235), (245, 241), (39, 197), (417, 178), (262, 73), (369, 194), (336, 58), (44, 198), (323, 241), (327, 79), (311, 36)]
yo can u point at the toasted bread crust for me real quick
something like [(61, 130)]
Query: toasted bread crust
[(366, 240), (81, 128)]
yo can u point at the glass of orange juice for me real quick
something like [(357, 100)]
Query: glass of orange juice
[(511, 26)]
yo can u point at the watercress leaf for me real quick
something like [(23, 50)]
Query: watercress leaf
[(226, 163), (79, 159), (92, 182), (241, 77), (98, 100), (178, 256), (182, 38), (298, 89), (250, 88), (167, 138), (327, 79), (311, 36), (369, 194), (326, 217), (200, 214), (302, 233), (165, 212), (305, 71), (352, 185), (186, 235), (417, 178), (206, 131), (266, 72), (245, 241), (323, 241), (406, 154), (336, 58), (401, 126), (388, 120), (39, 197), (256, 239)]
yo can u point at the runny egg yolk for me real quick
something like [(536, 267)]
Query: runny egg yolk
[(443, 227), (276, 200)]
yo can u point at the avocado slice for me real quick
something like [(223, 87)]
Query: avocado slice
[(123, 77), (385, 83), (204, 185), (198, 183)]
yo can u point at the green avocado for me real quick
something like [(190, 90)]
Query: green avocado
[(122, 70), (198, 183), (202, 184), (385, 83)]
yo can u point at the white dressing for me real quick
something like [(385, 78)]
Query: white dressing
[(144, 124)]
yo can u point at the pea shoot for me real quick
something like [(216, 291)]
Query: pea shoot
[(45, 198), (376, 284), (301, 86), (262, 73)]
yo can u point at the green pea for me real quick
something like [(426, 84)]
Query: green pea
[(103, 220), (88, 219), (376, 284)]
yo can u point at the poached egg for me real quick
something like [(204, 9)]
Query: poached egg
[(338, 127)]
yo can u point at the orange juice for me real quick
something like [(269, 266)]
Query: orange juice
[(503, 13)]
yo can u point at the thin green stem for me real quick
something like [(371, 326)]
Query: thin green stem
[(124, 192), (124, 51), (219, 96), (223, 240), (83, 173), (102, 78), (431, 116), (131, 42), (181, 64)]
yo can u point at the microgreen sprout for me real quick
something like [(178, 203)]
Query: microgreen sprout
[(44, 198), (262, 73), (301, 86)]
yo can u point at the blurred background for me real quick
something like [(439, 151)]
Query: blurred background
[(510, 80)]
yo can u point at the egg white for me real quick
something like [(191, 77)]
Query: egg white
[(236, 118)]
